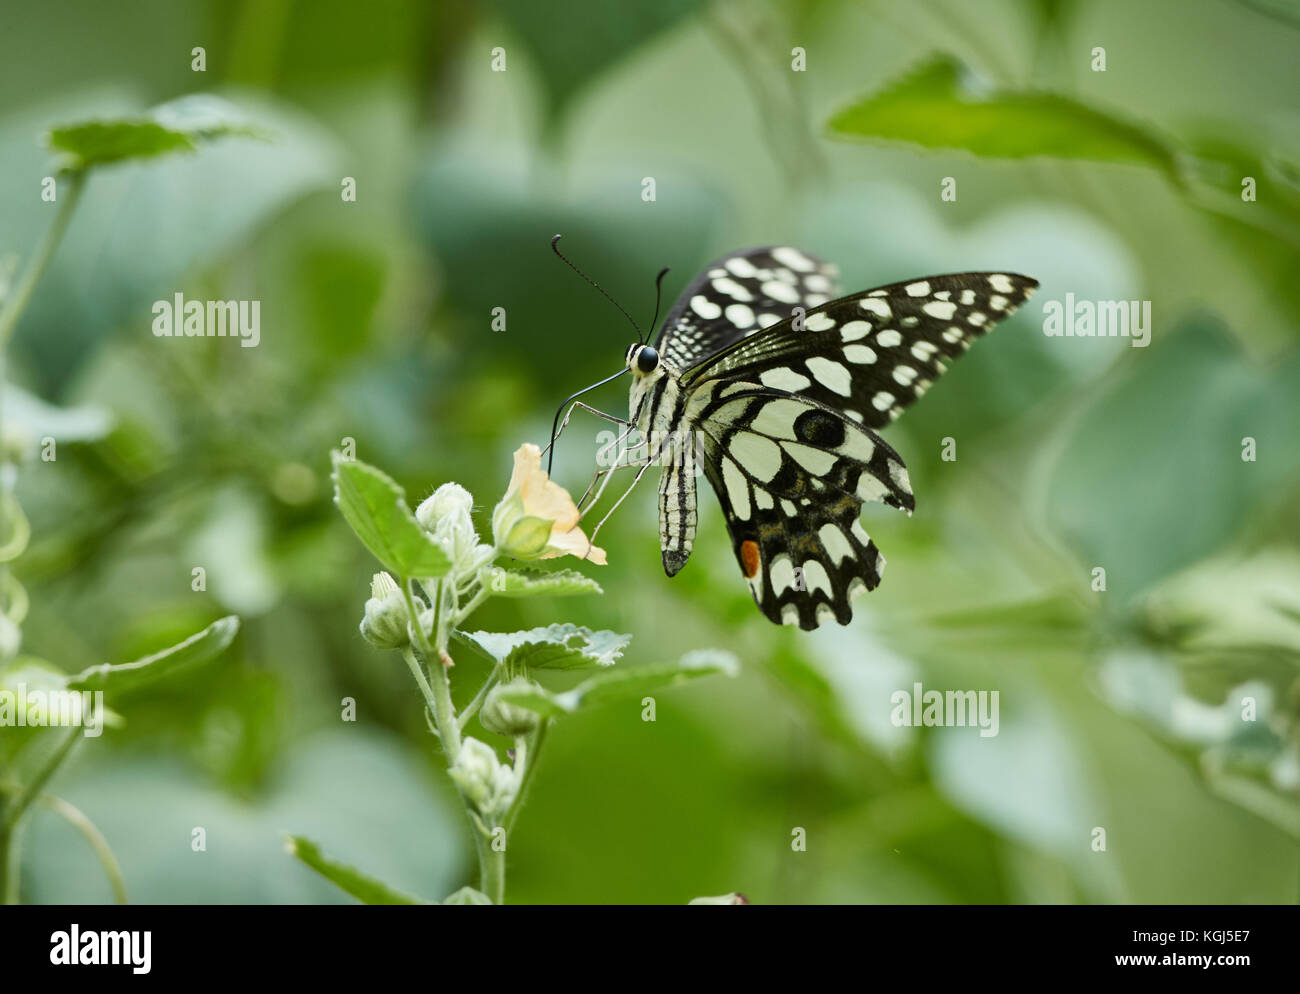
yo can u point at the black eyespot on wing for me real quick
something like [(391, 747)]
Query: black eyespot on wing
[(819, 428)]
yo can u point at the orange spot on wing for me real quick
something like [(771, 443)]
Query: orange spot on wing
[(749, 558)]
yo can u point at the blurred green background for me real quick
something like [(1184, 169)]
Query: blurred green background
[(1119, 709)]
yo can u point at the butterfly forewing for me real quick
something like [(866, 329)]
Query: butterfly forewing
[(871, 354), (741, 294)]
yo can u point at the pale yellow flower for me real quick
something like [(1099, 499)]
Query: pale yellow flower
[(537, 518)]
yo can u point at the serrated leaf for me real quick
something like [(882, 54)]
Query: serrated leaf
[(540, 583), (375, 506), (468, 895), (352, 881), (630, 681), (941, 105), (557, 647), (198, 648), (178, 126)]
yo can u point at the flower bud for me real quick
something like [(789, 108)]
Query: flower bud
[(445, 515), (505, 718), (486, 782), (384, 624)]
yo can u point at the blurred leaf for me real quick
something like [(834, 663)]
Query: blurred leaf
[(1232, 603), (1243, 743), (574, 41), (176, 126), (365, 889), (376, 508), (540, 583), (467, 895), (198, 648), (941, 104), (628, 681), (1173, 425), (351, 790), (557, 647), (38, 419)]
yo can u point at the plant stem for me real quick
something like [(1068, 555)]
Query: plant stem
[(29, 791), (16, 302), (14, 808), (444, 713), (9, 865), (531, 753), (492, 878), (417, 671), (472, 707), (77, 819)]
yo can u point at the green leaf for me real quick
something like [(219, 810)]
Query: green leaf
[(177, 126), (36, 419), (365, 889), (198, 648), (558, 647), (573, 42), (376, 509), (628, 682), (468, 895), (941, 105), (539, 583)]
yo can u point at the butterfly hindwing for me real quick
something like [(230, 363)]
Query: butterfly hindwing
[(738, 295), (791, 476), (871, 354)]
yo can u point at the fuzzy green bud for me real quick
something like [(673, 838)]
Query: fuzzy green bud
[(506, 718), (489, 784), (384, 623)]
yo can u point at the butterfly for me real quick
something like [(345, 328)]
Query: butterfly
[(776, 387)]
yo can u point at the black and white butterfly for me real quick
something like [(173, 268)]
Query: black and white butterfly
[(777, 387)]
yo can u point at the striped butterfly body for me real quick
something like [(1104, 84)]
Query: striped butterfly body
[(778, 388)]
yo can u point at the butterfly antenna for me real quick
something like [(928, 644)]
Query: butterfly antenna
[(659, 286), (555, 425), (556, 247)]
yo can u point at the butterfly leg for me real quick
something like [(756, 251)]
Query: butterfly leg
[(621, 461), (590, 410), (648, 463)]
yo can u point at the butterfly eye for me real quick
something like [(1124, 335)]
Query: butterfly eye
[(647, 360)]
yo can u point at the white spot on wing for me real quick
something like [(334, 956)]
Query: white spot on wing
[(889, 338), (732, 289), (837, 546), (737, 489), (815, 461), (793, 258), (704, 307), (782, 378), (941, 309), (816, 578), (831, 375), (783, 292), (740, 315)]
